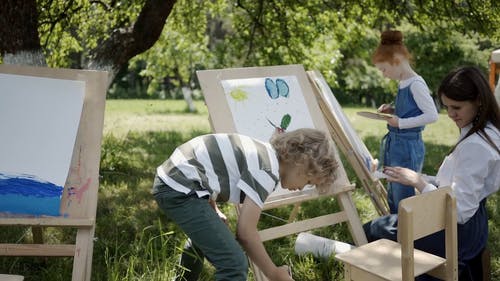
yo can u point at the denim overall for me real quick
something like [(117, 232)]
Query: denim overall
[(403, 147)]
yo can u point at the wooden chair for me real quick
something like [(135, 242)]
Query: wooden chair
[(419, 216)]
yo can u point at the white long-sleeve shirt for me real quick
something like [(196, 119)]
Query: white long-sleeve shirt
[(472, 170), (421, 95)]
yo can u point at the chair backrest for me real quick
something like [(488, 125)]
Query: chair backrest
[(425, 214)]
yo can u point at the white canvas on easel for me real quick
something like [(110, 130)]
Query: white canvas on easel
[(247, 95), (39, 121), (349, 142), (78, 167)]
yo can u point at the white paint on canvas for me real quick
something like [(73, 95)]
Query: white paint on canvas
[(39, 120), (253, 107)]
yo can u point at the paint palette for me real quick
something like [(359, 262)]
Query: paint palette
[(375, 115)]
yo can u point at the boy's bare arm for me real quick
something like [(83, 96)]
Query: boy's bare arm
[(250, 240)]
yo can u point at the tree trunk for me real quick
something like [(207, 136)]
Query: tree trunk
[(19, 40), (125, 43)]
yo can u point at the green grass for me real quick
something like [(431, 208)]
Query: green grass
[(135, 241), (139, 116)]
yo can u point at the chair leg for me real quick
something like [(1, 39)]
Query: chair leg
[(347, 272)]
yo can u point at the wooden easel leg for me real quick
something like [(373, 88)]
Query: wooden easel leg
[(90, 252), (82, 261), (37, 232), (353, 221), (347, 272), (380, 196), (294, 212)]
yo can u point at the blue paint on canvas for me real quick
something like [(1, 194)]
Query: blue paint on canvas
[(26, 194)]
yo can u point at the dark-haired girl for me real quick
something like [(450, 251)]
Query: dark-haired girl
[(472, 169)]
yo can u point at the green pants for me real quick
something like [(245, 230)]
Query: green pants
[(207, 232)]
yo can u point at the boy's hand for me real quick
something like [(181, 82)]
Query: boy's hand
[(221, 215), (283, 273)]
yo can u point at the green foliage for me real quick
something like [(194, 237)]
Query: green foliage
[(182, 48), (69, 30), (334, 37), (359, 81), (438, 50)]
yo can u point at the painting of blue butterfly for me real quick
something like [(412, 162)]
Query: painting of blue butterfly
[(277, 89)]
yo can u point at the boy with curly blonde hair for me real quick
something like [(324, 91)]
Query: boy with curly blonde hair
[(243, 170)]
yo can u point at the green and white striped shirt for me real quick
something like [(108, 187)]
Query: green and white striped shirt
[(223, 166)]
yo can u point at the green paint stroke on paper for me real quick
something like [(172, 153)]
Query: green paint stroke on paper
[(238, 94), (285, 121)]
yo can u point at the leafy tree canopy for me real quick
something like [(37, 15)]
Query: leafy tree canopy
[(333, 36)]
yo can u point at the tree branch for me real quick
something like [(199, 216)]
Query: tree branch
[(125, 43)]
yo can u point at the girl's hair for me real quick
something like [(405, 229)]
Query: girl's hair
[(391, 43), (311, 148), (468, 84)]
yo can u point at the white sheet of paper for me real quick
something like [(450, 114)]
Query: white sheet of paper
[(379, 175), (252, 109), (39, 119)]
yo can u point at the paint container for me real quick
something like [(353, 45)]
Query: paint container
[(319, 246)]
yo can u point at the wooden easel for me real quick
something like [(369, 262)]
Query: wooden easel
[(349, 142), (221, 121), (78, 211)]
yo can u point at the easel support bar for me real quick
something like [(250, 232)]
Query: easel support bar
[(56, 221), (37, 250), (305, 195), (300, 226)]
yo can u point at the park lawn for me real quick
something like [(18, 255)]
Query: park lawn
[(134, 240)]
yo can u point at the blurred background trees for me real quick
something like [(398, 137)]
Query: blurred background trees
[(153, 48)]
